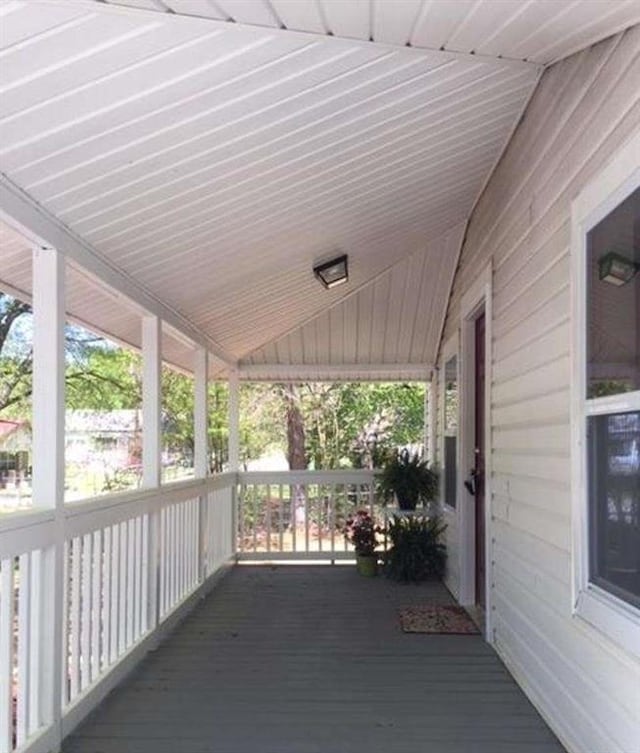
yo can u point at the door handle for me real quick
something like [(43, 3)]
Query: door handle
[(471, 484)]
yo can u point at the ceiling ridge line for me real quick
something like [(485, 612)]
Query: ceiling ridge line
[(38, 225), (470, 57)]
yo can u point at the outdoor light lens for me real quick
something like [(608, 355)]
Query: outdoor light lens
[(333, 272)]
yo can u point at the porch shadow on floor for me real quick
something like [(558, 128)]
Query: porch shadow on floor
[(312, 660)]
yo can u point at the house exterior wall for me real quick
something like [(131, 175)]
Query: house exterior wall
[(585, 108)]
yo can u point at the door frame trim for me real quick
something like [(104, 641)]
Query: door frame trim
[(476, 298)]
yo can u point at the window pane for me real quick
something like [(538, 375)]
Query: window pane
[(177, 425), (103, 416), (451, 395), (614, 491), (450, 430), (16, 455), (450, 451), (613, 303)]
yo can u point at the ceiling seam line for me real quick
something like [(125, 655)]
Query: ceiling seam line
[(330, 39)]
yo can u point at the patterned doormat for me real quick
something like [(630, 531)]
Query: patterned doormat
[(437, 619)]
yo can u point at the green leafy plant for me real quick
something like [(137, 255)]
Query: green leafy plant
[(361, 531), (416, 551), (408, 476)]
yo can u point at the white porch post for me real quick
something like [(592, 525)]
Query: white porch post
[(151, 401), (48, 484), (201, 413), (234, 450), (201, 451), (48, 378), (234, 422), (151, 447)]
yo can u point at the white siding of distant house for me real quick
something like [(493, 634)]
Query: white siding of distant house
[(584, 110)]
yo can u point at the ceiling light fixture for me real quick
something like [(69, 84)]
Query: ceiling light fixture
[(333, 272), (616, 269)]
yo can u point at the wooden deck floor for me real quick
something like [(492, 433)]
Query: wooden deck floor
[(311, 660)]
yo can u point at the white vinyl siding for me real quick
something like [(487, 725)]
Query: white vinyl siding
[(585, 109)]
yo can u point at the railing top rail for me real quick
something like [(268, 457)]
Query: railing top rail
[(118, 505), (15, 521), (89, 513), (165, 494), (25, 532), (348, 476)]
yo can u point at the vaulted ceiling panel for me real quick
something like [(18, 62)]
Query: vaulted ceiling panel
[(16, 269), (394, 320)]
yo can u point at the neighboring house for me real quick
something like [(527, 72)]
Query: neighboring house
[(15, 450), (112, 438)]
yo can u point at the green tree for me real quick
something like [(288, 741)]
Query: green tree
[(102, 377), (330, 425), (16, 358)]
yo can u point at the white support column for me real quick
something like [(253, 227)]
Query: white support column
[(48, 476), (234, 449), (151, 448), (151, 401), (234, 421), (201, 413), (48, 378), (201, 451)]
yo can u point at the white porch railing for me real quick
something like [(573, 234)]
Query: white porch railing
[(129, 565), (300, 514), (85, 591)]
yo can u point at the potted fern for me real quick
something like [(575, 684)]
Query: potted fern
[(417, 550), (407, 477)]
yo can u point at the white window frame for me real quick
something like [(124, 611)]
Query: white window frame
[(611, 615), (450, 349)]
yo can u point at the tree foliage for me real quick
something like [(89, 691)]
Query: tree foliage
[(316, 424), (329, 425), (16, 359)]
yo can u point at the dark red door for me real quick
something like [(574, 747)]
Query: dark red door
[(479, 458)]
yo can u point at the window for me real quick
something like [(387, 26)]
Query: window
[(614, 504), (449, 389), (606, 400), (613, 379)]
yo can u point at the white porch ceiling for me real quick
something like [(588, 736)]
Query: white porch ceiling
[(539, 31), (213, 163)]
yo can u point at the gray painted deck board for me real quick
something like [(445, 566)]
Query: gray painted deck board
[(311, 660)]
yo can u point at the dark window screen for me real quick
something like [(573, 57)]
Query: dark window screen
[(613, 301), (614, 504), (450, 444)]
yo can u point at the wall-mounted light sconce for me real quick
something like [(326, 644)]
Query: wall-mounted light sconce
[(333, 272), (616, 269)]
